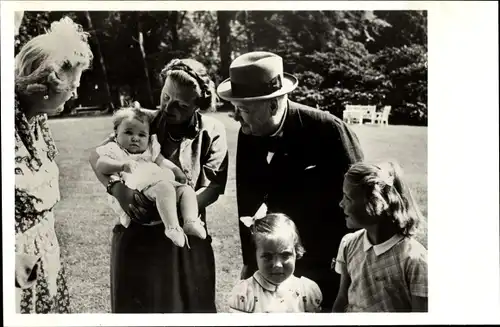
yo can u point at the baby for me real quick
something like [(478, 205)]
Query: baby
[(134, 155)]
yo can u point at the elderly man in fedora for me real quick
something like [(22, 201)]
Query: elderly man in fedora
[(292, 158)]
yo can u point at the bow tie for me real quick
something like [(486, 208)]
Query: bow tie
[(273, 143)]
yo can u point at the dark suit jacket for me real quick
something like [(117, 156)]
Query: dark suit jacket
[(304, 181)]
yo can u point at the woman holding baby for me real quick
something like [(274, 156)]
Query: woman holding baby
[(150, 273)]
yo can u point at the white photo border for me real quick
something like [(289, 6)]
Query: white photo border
[(463, 185)]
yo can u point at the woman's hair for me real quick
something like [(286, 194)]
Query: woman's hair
[(63, 48), (277, 224), (386, 194), (128, 113), (192, 73)]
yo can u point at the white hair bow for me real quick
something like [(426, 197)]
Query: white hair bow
[(261, 213)]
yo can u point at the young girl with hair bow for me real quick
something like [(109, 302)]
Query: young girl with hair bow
[(273, 287)]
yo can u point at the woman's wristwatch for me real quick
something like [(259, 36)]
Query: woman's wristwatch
[(112, 181)]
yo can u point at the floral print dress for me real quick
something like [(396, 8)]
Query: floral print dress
[(36, 193), (257, 295)]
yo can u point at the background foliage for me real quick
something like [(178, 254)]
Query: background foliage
[(340, 57)]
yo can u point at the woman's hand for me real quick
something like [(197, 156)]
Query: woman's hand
[(26, 271), (168, 165), (179, 175), (144, 210), (137, 206)]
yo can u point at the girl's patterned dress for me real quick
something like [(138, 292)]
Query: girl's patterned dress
[(257, 295), (36, 193)]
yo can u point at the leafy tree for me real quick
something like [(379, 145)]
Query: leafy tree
[(406, 69), (340, 57), (407, 27), (33, 24)]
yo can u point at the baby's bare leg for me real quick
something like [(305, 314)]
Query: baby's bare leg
[(188, 206), (165, 196)]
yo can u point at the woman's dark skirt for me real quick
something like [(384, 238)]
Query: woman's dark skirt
[(149, 274)]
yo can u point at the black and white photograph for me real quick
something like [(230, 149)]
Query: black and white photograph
[(211, 161)]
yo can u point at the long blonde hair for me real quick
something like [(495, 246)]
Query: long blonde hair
[(62, 48), (386, 194)]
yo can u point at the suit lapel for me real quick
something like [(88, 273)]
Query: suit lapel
[(289, 149), (252, 165), (290, 132)]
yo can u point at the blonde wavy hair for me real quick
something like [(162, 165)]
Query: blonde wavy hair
[(192, 73), (62, 48), (386, 194)]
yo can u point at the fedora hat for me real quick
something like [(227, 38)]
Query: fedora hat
[(256, 76)]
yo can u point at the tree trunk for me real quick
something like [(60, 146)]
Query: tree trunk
[(172, 25), (250, 45), (223, 20), (98, 57), (145, 95)]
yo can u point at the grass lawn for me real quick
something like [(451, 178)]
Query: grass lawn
[(84, 221)]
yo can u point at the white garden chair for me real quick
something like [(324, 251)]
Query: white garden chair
[(382, 118), (357, 113), (370, 113), (351, 114)]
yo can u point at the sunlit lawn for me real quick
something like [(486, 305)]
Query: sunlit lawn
[(84, 221)]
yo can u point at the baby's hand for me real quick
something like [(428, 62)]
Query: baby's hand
[(129, 166)]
